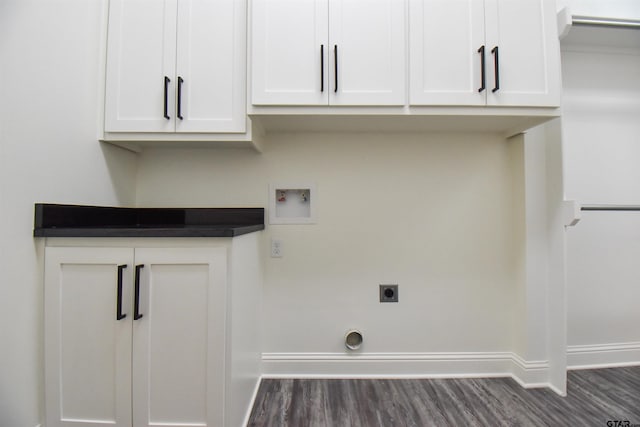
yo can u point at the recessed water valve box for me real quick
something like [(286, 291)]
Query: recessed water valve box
[(388, 293), (292, 203)]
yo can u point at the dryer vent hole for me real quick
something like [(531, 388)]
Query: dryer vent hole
[(353, 340)]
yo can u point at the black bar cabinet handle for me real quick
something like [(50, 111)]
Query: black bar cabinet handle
[(119, 315), (482, 68), (496, 64), (335, 67), (136, 302), (180, 81), (321, 68), (166, 96)]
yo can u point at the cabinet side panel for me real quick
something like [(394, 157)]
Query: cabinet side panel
[(245, 349)]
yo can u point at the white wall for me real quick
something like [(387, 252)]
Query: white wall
[(49, 63), (601, 107), (433, 213), (603, 284)]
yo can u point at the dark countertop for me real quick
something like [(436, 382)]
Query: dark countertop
[(53, 220)]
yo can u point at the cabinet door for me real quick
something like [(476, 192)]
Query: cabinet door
[(178, 343), (211, 66), (87, 349), (369, 36), (141, 53), (446, 39), (289, 51), (525, 35)]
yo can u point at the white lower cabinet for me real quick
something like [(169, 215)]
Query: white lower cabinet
[(135, 336)]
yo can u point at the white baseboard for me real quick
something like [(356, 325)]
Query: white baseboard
[(603, 355), (406, 365), (530, 374), (252, 402)]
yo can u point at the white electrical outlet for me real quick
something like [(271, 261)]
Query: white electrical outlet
[(276, 248)]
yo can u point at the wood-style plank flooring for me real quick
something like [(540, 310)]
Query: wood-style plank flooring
[(594, 397)]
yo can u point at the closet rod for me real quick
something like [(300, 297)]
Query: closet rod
[(605, 22), (610, 208)]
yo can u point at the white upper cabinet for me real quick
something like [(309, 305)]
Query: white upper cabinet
[(367, 39), (290, 42), (446, 44), (524, 35), (140, 54), (211, 63), (336, 52), (175, 66), (491, 52)]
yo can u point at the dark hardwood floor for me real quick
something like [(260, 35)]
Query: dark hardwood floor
[(594, 398)]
